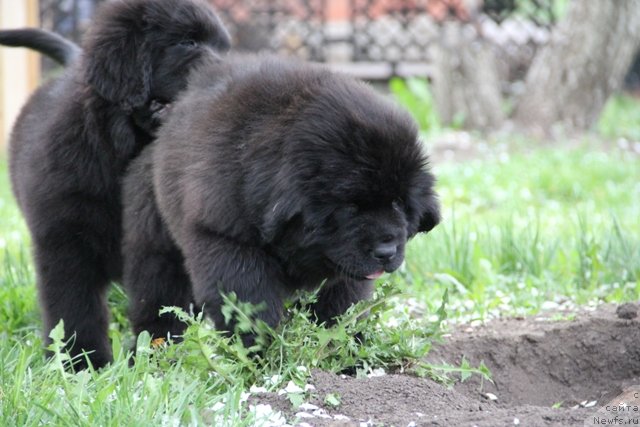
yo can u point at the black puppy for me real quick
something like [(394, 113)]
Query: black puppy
[(271, 176), (74, 139)]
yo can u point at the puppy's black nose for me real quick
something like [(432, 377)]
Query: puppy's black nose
[(383, 252)]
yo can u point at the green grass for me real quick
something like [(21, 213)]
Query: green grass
[(415, 95), (520, 233), (621, 118)]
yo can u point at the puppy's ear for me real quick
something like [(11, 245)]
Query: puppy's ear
[(430, 217), (118, 64), (423, 203)]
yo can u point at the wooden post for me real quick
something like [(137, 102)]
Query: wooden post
[(19, 68)]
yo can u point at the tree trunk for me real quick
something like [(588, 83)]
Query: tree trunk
[(466, 86), (586, 59)]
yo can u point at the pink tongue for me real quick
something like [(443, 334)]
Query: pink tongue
[(375, 275)]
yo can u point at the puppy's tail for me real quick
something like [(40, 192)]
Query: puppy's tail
[(46, 42)]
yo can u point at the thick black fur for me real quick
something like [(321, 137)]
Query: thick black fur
[(271, 176), (74, 139)]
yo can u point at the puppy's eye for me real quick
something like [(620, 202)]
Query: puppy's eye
[(189, 43)]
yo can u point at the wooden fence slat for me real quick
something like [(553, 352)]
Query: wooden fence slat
[(19, 69)]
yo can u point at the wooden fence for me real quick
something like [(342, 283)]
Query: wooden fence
[(19, 69)]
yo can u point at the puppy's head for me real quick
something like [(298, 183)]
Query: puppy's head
[(141, 50), (363, 178)]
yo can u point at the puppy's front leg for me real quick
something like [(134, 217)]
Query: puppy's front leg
[(338, 295), (218, 265)]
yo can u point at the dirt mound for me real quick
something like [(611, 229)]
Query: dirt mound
[(541, 362), (536, 363)]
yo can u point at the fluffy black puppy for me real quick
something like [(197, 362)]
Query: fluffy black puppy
[(74, 139), (271, 176)]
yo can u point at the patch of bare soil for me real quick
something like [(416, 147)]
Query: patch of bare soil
[(536, 364)]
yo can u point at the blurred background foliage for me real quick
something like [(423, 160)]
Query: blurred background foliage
[(544, 67)]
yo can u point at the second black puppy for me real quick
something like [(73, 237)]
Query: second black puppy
[(271, 176), (75, 137)]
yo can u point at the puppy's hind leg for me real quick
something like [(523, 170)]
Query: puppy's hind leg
[(153, 274), (155, 278), (72, 284)]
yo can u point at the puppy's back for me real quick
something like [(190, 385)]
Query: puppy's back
[(246, 123)]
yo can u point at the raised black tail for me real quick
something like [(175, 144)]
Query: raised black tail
[(46, 42)]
